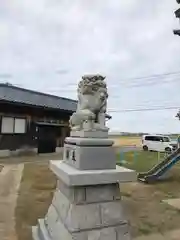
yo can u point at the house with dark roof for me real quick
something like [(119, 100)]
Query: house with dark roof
[(31, 119)]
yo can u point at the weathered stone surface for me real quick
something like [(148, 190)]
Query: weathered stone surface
[(83, 217), (88, 141), (92, 219), (50, 219), (66, 190), (41, 231), (117, 195), (91, 157), (60, 232), (79, 195), (90, 194), (61, 204), (92, 105), (102, 193), (75, 177), (126, 236), (80, 236), (90, 134), (102, 234), (123, 232), (112, 213), (75, 195)]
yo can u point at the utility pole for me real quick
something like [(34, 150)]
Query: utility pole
[(177, 14)]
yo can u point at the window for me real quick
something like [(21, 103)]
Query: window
[(166, 139), (150, 138), (153, 138), (158, 139), (147, 138), (7, 125), (19, 125), (13, 125)]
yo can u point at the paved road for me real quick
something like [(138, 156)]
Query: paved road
[(10, 178)]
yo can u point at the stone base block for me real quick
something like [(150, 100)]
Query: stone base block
[(89, 141), (96, 217), (90, 194), (90, 134), (89, 154), (75, 177), (40, 232)]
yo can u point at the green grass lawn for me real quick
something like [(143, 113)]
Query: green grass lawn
[(144, 161), (140, 161)]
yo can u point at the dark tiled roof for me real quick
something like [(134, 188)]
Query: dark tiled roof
[(10, 93)]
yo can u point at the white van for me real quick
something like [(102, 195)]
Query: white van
[(157, 143)]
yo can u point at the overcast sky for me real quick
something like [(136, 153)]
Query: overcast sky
[(48, 45)]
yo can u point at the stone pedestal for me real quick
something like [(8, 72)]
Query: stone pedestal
[(89, 134), (89, 153), (86, 205)]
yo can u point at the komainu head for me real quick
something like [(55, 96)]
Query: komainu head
[(92, 84)]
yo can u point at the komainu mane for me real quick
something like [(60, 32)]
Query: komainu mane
[(92, 104)]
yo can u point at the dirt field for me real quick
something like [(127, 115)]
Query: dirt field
[(123, 141)]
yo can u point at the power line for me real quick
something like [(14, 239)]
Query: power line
[(152, 83), (144, 105), (154, 76), (145, 109), (151, 79), (128, 85), (119, 86)]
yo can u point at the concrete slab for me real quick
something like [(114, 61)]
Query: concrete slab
[(173, 202), (10, 179), (75, 177)]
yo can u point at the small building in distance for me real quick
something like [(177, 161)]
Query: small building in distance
[(32, 120)]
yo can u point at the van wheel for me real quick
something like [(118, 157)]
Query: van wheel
[(168, 150), (145, 148)]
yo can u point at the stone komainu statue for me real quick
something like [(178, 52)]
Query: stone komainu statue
[(92, 104)]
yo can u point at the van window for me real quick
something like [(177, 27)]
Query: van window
[(150, 138), (158, 139), (154, 138), (166, 139)]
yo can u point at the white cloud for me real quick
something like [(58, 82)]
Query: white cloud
[(48, 43)]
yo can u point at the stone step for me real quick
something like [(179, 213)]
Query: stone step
[(40, 232), (35, 235)]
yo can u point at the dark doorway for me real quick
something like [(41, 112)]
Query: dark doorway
[(47, 138)]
